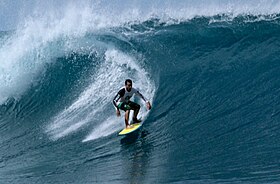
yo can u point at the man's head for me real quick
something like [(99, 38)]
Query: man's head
[(128, 84)]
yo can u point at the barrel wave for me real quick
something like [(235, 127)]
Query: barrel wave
[(213, 82)]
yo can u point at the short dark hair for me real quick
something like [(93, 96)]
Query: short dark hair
[(128, 80)]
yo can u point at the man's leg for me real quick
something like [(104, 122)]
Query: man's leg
[(135, 107), (126, 117), (135, 113)]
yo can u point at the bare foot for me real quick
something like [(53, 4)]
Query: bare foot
[(129, 126)]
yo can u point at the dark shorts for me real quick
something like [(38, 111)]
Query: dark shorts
[(128, 106)]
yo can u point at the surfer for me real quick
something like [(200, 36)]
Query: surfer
[(122, 101)]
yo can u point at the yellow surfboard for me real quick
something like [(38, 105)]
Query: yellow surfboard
[(131, 129)]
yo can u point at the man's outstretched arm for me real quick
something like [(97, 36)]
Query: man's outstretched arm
[(144, 99)]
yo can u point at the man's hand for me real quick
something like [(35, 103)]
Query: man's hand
[(118, 113), (148, 105)]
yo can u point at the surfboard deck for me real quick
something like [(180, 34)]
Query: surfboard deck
[(134, 127)]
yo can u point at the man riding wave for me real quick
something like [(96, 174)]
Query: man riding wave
[(122, 101)]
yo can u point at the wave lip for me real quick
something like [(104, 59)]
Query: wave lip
[(80, 16)]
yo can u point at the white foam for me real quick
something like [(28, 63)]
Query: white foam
[(24, 55), (105, 128), (20, 61), (35, 43)]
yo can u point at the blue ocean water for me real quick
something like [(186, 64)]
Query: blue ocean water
[(213, 82)]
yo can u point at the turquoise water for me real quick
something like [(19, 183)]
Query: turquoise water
[(213, 82)]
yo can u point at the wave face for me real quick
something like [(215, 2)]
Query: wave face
[(212, 78)]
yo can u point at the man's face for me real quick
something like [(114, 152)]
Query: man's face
[(128, 86)]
